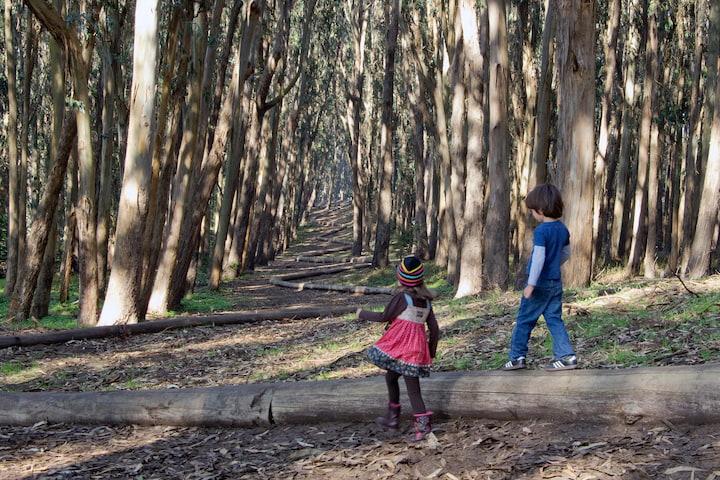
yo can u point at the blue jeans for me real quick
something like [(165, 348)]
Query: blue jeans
[(546, 300)]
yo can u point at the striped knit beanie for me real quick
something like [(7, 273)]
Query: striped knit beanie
[(410, 271)]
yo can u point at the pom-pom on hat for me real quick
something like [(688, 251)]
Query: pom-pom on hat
[(410, 271)]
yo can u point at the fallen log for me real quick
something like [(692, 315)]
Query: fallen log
[(155, 326), (315, 272), (218, 406), (282, 281), (332, 232), (687, 394), (359, 289), (330, 260), (317, 253)]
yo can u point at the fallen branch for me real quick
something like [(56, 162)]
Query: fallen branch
[(687, 394), (683, 284), (155, 326)]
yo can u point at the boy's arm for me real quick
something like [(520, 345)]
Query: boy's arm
[(536, 265), (392, 310), (434, 331)]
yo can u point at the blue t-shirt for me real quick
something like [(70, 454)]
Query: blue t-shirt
[(554, 236)]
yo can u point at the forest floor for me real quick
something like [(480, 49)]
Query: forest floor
[(615, 323)]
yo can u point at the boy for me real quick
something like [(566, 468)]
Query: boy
[(543, 293)]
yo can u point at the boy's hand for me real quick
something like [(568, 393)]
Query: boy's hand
[(527, 293)]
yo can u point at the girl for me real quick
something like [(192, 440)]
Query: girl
[(404, 350)]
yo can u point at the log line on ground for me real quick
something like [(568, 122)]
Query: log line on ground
[(155, 326), (686, 394)]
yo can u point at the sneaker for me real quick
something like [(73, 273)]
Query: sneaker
[(568, 362), (516, 364)]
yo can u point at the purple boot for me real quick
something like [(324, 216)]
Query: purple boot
[(392, 418), (423, 425)]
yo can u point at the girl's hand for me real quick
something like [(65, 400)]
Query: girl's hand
[(357, 313), (527, 293)]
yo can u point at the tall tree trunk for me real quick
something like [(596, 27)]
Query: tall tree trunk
[(692, 173), (622, 203), (498, 213), (180, 191), (601, 160), (70, 232), (107, 145), (23, 169), (637, 250), (39, 232), (41, 301), (576, 142), (711, 56), (264, 205), (168, 135), (420, 234), (79, 57), (459, 140), (541, 143), (471, 257), (123, 303), (385, 201), (232, 177), (13, 235), (701, 249), (358, 28), (525, 125), (206, 181)]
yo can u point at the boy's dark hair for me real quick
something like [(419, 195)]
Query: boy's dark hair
[(546, 199)]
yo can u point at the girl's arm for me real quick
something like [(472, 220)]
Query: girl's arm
[(434, 333), (392, 310)]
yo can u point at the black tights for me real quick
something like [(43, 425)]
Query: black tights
[(413, 389)]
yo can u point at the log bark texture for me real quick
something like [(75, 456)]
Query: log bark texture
[(687, 394)]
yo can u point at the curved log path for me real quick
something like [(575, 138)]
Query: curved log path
[(262, 280)]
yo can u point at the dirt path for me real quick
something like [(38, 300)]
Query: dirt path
[(311, 349)]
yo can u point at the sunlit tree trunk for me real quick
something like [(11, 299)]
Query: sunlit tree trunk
[(701, 249), (123, 303), (471, 258), (689, 203), (576, 135), (638, 248)]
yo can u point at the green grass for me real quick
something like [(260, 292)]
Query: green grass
[(625, 356), (207, 301), (131, 384), (14, 367)]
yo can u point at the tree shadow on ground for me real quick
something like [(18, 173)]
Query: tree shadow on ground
[(465, 449)]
